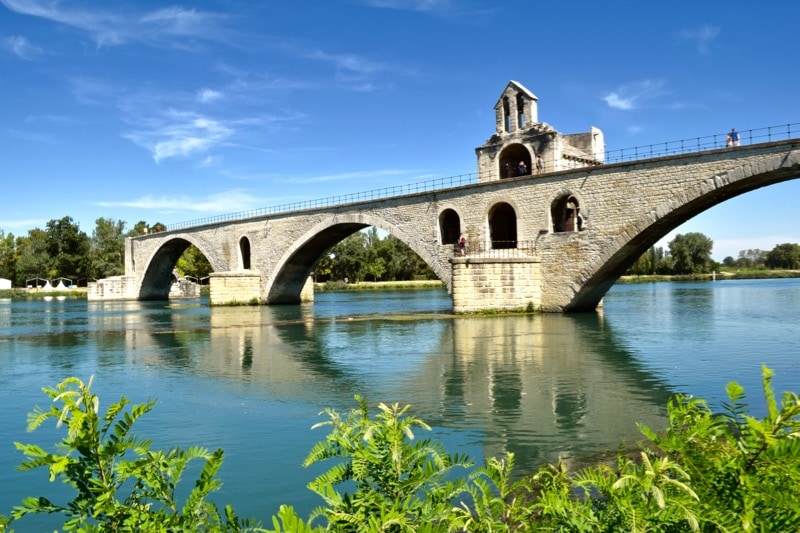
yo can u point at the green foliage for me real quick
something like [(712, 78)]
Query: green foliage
[(120, 483), (108, 248), (785, 255), (400, 483), (193, 263), (365, 256), (691, 253), (727, 472)]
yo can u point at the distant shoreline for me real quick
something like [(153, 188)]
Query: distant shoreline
[(80, 293)]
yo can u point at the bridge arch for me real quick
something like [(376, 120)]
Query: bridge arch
[(639, 234), (501, 220), (294, 267), (156, 280)]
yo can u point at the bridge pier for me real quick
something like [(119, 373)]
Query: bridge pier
[(237, 287), (113, 288), (496, 284), (244, 287)]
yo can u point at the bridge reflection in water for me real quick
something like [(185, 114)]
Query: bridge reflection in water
[(542, 386)]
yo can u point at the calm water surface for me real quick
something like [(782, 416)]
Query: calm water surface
[(252, 380)]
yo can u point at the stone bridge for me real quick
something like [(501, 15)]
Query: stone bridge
[(552, 242), (549, 225)]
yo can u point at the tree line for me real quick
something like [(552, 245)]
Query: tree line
[(690, 253), (63, 250)]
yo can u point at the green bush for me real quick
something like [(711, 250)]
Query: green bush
[(708, 472), (120, 483)]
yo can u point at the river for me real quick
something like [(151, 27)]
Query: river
[(253, 380)]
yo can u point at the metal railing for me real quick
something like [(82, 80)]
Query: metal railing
[(683, 146), (699, 144), (496, 249), (331, 201)]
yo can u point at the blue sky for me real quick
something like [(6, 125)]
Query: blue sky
[(169, 111)]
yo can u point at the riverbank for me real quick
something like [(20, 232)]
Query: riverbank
[(332, 286), (78, 293), (721, 275)]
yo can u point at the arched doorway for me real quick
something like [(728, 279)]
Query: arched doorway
[(510, 160), (449, 226), (503, 226)]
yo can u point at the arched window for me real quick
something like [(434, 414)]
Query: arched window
[(503, 226), (566, 214), (449, 226), (506, 114), (520, 111), (244, 252)]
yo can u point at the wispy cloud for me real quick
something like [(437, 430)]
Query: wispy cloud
[(107, 27), (180, 134), (223, 202), (22, 48), (22, 223), (206, 96), (345, 176), (634, 95), (701, 37)]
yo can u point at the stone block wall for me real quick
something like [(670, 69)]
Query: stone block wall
[(502, 284), (113, 288), (231, 288)]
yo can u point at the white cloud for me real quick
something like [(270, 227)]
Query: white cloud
[(208, 95), (180, 134), (345, 176), (701, 37), (633, 95), (223, 202), (107, 27), (22, 48)]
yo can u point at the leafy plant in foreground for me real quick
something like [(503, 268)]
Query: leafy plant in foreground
[(120, 483), (399, 483)]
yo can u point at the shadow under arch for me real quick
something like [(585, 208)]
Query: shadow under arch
[(157, 279), (647, 230), (296, 264)]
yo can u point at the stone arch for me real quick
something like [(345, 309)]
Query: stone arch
[(638, 235), (510, 158), (449, 226), (244, 253), (156, 280), (567, 212), (502, 223), (296, 263)]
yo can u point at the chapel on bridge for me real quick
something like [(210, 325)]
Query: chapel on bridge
[(519, 138)]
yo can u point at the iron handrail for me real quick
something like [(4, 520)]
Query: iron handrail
[(637, 153)]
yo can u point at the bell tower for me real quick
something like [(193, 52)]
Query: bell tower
[(523, 146)]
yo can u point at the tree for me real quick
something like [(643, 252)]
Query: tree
[(785, 255), (8, 256), (33, 260), (193, 263), (68, 248), (691, 253), (108, 248), (752, 258)]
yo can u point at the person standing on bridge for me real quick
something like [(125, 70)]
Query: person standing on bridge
[(522, 169), (539, 164), (733, 138), (462, 243)]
